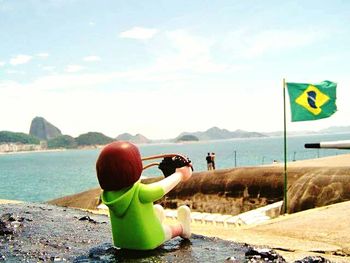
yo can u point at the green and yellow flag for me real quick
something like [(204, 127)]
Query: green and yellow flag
[(312, 101)]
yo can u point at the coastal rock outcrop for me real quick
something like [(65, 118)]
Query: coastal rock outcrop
[(43, 129)]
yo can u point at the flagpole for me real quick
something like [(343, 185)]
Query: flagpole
[(285, 148)]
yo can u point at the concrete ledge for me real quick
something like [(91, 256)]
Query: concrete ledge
[(256, 216)]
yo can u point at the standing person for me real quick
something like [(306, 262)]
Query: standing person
[(213, 160), (209, 162)]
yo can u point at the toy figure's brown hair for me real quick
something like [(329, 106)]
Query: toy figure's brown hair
[(119, 165)]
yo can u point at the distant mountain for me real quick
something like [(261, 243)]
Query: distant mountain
[(329, 130), (93, 138), (17, 137), (216, 133), (138, 138), (336, 129), (290, 133), (43, 129)]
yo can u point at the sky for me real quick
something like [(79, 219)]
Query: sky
[(160, 68)]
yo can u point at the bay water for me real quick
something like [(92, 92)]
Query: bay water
[(42, 176)]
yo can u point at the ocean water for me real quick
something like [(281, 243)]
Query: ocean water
[(42, 176)]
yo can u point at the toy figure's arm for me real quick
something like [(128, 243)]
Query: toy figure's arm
[(155, 191), (168, 183)]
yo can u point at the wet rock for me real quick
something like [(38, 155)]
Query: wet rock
[(10, 224), (232, 260), (87, 218), (316, 259), (2, 257), (55, 234), (263, 255), (198, 249), (57, 259)]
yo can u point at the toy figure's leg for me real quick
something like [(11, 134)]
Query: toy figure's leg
[(184, 217), (183, 228), (159, 212)]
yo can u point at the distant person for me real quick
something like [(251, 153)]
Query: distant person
[(213, 160), (209, 162)]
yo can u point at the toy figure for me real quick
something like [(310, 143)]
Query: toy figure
[(136, 222)]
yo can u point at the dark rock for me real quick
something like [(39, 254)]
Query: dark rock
[(87, 218), (43, 130), (263, 255), (10, 224), (56, 234), (315, 259)]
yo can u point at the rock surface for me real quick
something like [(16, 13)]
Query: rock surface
[(38, 232), (43, 129)]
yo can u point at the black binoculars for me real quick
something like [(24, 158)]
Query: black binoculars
[(169, 163)]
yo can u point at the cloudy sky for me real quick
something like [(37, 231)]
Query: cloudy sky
[(163, 67)]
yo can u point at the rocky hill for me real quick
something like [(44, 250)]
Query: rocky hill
[(138, 138), (43, 129), (93, 138), (216, 133)]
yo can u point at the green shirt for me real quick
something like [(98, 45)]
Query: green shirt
[(134, 222)]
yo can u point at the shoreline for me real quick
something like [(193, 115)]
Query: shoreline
[(33, 151)]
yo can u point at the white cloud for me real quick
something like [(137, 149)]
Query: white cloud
[(11, 71), (20, 59), (92, 58), (141, 33), (42, 55), (2, 63), (91, 23), (188, 53), (244, 43), (73, 68), (273, 40), (48, 68)]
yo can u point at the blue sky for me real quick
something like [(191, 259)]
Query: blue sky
[(163, 67)]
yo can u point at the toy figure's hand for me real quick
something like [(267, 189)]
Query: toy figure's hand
[(169, 164), (186, 172)]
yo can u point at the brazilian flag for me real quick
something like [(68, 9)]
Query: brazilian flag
[(312, 101)]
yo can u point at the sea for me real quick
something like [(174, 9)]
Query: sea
[(43, 176)]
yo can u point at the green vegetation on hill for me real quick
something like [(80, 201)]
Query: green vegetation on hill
[(17, 137), (63, 141), (93, 138)]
